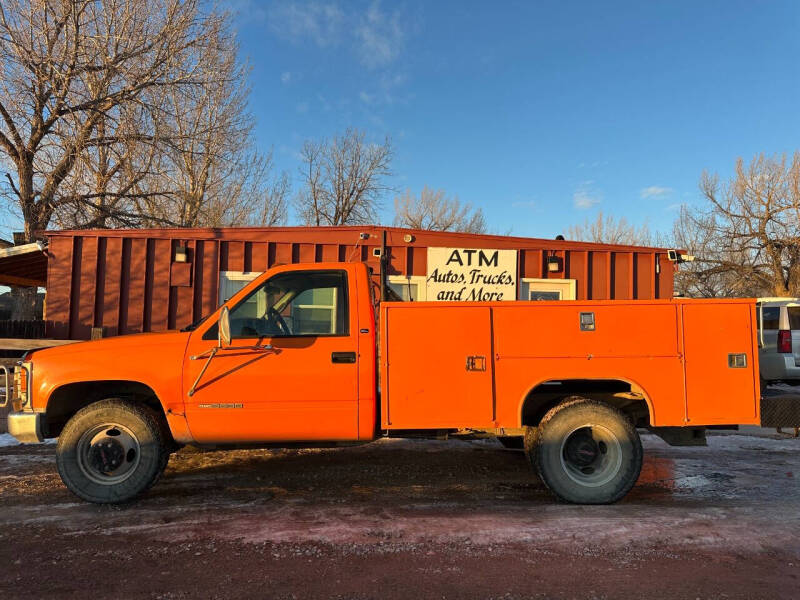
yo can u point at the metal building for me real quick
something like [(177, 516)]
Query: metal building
[(111, 282)]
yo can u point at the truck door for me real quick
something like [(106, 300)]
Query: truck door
[(304, 388)]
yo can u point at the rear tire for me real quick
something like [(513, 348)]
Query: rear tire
[(111, 451), (585, 451)]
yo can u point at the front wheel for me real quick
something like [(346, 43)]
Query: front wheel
[(111, 451), (586, 452)]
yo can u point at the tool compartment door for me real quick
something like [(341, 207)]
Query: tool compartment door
[(439, 367), (720, 366)]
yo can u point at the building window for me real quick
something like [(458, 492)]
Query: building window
[(547, 289), (409, 288), (314, 311), (231, 282)]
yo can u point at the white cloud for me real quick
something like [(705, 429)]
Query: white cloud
[(584, 200), (524, 204), (593, 165), (377, 37), (381, 37), (585, 197), (388, 89), (286, 77), (321, 22), (655, 191)]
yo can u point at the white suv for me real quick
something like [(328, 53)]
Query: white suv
[(779, 340)]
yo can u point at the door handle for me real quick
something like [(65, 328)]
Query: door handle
[(343, 357)]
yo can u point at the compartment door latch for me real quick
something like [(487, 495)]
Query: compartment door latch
[(476, 363), (737, 361)]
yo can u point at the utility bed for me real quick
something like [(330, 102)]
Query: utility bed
[(474, 365)]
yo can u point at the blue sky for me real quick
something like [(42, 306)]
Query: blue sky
[(541, 113)]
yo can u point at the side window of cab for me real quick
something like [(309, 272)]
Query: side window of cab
[(292, 304)]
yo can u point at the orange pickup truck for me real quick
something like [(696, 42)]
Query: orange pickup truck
[(295, 357)]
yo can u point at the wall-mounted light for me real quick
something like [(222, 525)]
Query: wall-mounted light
[(181, 255), (553, 264), (408, 238), (363, 236)]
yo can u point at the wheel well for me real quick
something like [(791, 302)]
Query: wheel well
[(616, 392), (68, 399)]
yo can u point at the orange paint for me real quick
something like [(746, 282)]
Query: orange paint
[(442, 365), (654, 345)]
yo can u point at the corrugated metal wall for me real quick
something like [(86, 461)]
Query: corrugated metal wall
[(128, 282)]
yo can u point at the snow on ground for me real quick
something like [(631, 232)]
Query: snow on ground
[(6, 439)]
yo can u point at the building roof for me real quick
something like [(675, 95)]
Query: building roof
[(395, 236), (24, 265)]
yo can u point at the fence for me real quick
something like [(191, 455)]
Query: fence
[(22, 329)]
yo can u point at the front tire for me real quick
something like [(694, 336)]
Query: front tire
[(111, 451), (586, 452)]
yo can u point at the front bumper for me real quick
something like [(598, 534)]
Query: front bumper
[(26, 426)]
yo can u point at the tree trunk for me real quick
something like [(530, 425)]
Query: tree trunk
[(24, 299)]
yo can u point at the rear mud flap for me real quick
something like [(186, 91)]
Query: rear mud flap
[(780, 410)]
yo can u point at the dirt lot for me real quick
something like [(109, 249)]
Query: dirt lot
[(409, 519)]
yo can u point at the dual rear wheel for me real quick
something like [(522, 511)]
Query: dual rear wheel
[(585, 451)]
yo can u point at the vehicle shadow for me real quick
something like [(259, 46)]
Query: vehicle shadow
[(388, 472)]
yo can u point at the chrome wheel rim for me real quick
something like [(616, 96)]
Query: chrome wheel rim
[(109, 453), (591, 455)]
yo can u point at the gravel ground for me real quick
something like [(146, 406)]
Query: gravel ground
[(405, 518)]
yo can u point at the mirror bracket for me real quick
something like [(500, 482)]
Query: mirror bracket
[(223, 343)]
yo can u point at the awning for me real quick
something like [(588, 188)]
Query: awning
[(24, 265)]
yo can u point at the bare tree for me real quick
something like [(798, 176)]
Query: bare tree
[(106, 182), (69, 69), (343, 179), (696, 279), (609, 230), (433, 210), (182, 155), (66, 66), (747, 239), (215, 175)]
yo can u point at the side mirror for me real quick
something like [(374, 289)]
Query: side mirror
[(224, 327)]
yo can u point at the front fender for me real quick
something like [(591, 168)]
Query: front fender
[(154, 360)]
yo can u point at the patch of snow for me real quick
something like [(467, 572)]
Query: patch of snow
[(691, 482), (738, 441), (6, 439)]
